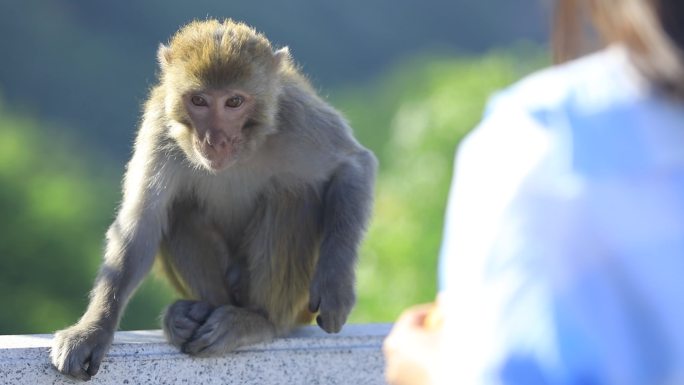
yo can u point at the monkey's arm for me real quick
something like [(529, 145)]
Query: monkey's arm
[(347, 207), (132, 241)]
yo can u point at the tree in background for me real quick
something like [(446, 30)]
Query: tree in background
[(414, 119), (57, 199)]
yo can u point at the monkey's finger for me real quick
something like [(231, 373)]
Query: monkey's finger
[(314, 304), (324, 323), (328, 323), (95, 360), (75, 368), (56, 357), (58, 352), (199, 340), (199, 312), (197, 345), (185, 324), (319, 321), (69, 361), (81, 375)]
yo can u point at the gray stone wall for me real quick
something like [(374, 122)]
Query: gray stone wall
[(308, 356)]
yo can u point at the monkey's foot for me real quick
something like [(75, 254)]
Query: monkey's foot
[(227, 328), (183, 318)]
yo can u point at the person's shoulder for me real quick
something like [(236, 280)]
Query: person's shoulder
[(601, 78)]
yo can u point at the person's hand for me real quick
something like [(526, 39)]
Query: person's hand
[(412, 347)]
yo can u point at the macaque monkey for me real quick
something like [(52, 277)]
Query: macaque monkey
[(248, 188)]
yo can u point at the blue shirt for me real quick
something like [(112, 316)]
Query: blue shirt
[(563, 252)]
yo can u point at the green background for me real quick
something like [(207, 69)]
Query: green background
[(73, 77)]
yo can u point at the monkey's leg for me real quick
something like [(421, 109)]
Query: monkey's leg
[(198, 262), (196, 255), (281, 243), (284, 238)]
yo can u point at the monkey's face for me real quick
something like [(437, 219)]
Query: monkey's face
[(222, 86), (218, 120)]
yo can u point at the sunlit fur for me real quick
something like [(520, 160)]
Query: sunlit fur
[(211, 54), (255, 249)]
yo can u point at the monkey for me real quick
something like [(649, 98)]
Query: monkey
[(247, 188)]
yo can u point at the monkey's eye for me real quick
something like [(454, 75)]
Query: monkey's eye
[(235, 101), (198, 100)]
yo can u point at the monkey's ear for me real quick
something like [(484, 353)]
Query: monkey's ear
[(164, 56), (282, 56)]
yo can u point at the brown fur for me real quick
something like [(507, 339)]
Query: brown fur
[(255, 248)]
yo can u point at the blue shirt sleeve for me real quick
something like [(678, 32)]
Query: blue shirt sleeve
[(564, 237)]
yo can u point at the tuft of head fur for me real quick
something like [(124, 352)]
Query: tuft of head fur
[(212, 54)]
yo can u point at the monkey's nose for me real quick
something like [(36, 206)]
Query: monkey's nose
[(217, 141)]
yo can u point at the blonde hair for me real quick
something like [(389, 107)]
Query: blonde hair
[(637, 24)]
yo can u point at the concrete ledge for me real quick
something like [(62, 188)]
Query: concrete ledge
[(308, 356)]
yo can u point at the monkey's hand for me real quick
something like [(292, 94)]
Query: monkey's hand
[(78, 350), (333, 298), (183, 318)]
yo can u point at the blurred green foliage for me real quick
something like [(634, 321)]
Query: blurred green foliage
[(56, 199), (413, 119), (89, 64)]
